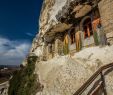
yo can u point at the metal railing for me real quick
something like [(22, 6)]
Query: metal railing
[(98, 85)]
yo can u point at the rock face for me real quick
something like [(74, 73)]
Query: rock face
[(49, 11), (107, 20), (48, 19), (64, 74), (4, 88)]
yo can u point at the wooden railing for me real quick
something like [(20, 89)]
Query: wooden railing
[(96, 85)]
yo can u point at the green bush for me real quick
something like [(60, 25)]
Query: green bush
[(24, 81)]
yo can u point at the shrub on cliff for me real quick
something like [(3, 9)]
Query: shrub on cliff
[(24, 81)]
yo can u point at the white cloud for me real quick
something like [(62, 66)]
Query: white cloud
[(29, 34), (13, 52), (3, 41)]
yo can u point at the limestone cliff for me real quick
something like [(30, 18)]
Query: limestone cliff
[(50, 9), (64, 74)]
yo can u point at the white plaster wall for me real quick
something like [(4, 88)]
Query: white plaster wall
[(88, 41)]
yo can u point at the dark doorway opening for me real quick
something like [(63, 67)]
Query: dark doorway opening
[(87, 28)]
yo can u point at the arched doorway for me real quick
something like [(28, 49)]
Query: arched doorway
[(86, 26)]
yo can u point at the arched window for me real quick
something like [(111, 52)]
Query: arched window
[(87, 28)]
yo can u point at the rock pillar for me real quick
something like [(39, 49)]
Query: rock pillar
[(58, 44), (106, 13)]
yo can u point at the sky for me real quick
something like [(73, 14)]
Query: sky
[(18, 26)]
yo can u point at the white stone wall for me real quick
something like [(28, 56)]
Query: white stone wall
[(72, 47), (88, 41)]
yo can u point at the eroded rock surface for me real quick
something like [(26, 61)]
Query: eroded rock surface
[(63, 75)]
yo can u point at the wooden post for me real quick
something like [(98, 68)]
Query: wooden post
[(103, 84)]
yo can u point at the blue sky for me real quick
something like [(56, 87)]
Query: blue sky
[(18, 26)]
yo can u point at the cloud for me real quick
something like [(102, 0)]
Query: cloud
[(29, 34), (13, 52)]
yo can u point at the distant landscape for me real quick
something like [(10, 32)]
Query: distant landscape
[(6, 71), (9, 66)]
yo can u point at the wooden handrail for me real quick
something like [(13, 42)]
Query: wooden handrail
[(92, 78)]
